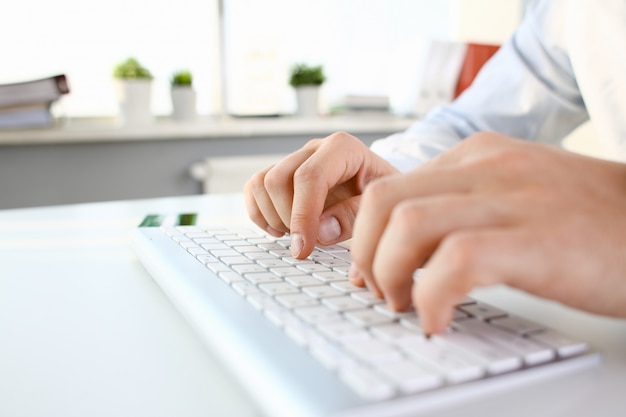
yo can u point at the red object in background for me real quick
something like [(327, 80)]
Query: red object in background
[(475, 58)]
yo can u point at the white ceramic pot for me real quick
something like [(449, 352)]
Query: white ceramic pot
[(183, 103), (307, 98), (135, 99)]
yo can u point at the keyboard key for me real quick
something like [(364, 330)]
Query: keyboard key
[(296, 300), (343, 331), (286, 271), (230, 277), (260, 300), (367, 384), (259, 255), (366, 318), (317, 315), (217, 267), (277, 314), (564, 346), (373, 351), (533, 353), (455, 367), (269, 246), (272, 263), (332, 249), (387, 311), (497, 359), (205, 259), (302, 280), (261, 278), (411, 323), (299, 332), (321, 291), (330, 355), (197, 251), (334, 263), (330, 276), (293, 261), (410, 377), (516, 325), (276, 288), (244, 288), (366, 297), (397, 333), (214, 246), (245, 249), (343, 303), (223, 253), (310, 268), (346, 286), (248, 268), (482, 311), (236, 260), (346, 256)]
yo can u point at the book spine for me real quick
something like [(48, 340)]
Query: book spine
[(31, 92)]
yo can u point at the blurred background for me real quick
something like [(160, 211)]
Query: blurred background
[(240, 51)]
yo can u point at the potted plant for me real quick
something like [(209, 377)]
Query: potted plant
[(307, 81), (183, 95), (134, 92)]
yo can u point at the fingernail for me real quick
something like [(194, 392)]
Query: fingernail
[(297, 243), (329, 230)]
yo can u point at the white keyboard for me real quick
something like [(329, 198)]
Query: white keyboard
[(377, 352)]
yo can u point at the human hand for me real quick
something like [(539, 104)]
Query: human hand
[(314, 193), (495, 210)]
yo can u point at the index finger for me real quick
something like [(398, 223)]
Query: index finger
[(339, 158)]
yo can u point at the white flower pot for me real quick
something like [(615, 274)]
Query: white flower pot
[(135, 99), (307, 98), (183, 103)]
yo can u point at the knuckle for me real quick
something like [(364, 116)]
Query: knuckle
[(273, 179), (307, 172), (313, 144), (375, 191), (255, 183), (514, 161), (341, 139), (461, 253), (339, 136), (407, 216)]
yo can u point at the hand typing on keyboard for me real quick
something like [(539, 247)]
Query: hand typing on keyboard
[(490, 210)]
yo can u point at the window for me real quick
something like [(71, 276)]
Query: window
[(85, 39), (365, 46)]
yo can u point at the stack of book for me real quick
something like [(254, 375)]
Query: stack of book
[(27, 104), (366, 103)]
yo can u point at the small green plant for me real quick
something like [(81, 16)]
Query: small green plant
[(303, 74), (182, 78), (131, 69)]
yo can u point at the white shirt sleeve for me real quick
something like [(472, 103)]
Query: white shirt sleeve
[(527, 90)]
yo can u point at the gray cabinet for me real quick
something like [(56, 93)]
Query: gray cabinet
[(65, 166)]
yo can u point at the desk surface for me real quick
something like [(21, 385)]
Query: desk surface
[(85, 331)]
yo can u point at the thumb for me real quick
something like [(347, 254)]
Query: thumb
[(337, 220)]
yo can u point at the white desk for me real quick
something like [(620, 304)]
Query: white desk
[(84, 331)]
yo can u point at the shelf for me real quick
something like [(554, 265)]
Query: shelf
[(108, 130)]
